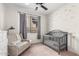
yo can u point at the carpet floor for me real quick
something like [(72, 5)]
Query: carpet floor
[(42, 50)]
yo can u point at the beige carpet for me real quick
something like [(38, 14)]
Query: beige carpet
[(42, 50)]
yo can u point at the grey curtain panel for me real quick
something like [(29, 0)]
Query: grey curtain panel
[(38, 28), (23, 28)]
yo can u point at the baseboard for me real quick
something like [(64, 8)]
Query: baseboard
[(74, 51), (36, 43)]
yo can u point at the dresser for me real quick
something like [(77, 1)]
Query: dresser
[(56, 39), (3, 43)]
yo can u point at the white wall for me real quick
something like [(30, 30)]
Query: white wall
[(43, 25), (28, 20), (1, 16), (12, 18), (67, 19)]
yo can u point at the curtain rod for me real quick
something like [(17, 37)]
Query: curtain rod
[(27, 13)]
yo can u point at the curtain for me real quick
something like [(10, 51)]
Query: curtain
[(38, 29), (23, 28)]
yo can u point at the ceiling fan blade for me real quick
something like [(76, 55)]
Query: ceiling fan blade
[(44, 7), (39, 3)]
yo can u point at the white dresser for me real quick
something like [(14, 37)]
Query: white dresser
[(3, 43)]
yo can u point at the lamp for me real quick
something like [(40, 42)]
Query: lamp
[(11, 28)]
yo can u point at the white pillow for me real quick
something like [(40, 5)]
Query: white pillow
[(18, 37)]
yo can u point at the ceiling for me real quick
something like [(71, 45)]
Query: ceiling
[(51, 7)]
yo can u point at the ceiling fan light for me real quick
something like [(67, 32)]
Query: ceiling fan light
[(27, 3), (36, 8)]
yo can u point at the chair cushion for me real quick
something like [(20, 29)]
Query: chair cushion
[(14, 43), (20, 44), (12, 36)]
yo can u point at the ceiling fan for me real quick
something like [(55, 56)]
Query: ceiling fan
[(41, 5)]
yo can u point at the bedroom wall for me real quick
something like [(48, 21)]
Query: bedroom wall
[(1, 16), (67, 19), (12, 18)]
